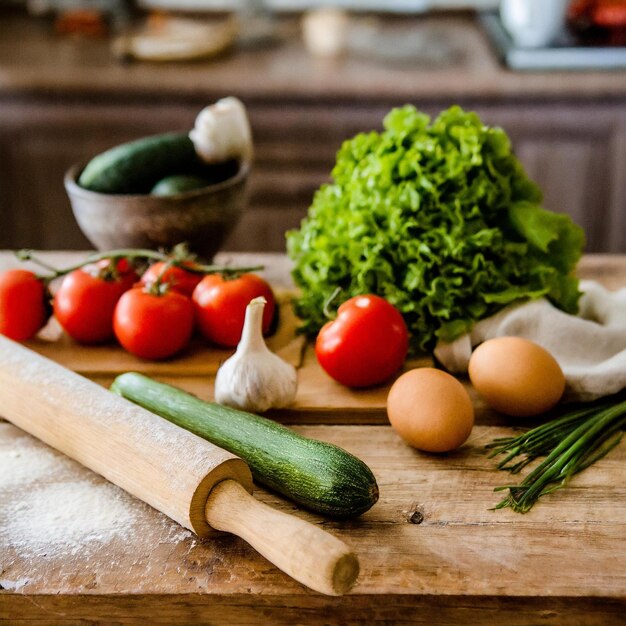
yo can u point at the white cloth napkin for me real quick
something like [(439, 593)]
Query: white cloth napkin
[(590, 347)]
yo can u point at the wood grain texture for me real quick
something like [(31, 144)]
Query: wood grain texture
[(459, 558), (305, 551), (287, 610), (432, 551), (199, 485)]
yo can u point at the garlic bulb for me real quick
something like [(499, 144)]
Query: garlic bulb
[(254, 378), (222, 131)]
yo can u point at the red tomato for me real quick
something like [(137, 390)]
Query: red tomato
[(23, 309), (365, 344), (153, 326), (84, 303), (221, 306), (176, 277), (610, 14)]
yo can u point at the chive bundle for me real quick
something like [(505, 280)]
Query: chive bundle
[(570, 443)]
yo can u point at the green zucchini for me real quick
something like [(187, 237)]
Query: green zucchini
[(319, 476), (135, 167)]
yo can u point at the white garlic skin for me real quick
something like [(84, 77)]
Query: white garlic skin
[(254, 378), (222, 131)]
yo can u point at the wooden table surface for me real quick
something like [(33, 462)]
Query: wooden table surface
[(431, 550)]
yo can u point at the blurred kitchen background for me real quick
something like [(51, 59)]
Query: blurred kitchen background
[(78, 77)]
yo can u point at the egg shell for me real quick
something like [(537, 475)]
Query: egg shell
[(430, 410), (516, 376)]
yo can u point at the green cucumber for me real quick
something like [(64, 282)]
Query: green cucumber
[(319, 476), (173, 185), (135, 167)]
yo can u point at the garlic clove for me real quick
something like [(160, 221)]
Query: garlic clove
[(254, 378), (222, 131)]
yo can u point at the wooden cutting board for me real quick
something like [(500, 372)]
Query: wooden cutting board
[(194, 369), (319, 398), (198, 359)]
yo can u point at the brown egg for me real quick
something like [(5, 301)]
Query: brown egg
[(516, 376), (430, 410)]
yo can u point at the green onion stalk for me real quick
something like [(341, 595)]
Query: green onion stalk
[(570, 443)]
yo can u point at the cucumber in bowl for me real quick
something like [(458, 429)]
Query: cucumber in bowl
[(138, 166), (320, 476), (135, 167), (181, 183)]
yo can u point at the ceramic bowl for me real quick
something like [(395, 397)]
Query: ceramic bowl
[(203, 218)]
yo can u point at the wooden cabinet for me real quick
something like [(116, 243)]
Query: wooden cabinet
[(64, 100), (576, 155), (575, 152)]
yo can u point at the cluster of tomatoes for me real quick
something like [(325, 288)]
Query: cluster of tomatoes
[(152, 316)]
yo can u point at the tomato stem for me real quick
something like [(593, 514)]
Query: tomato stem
[(158, 287), (132, 253), (27, 255)]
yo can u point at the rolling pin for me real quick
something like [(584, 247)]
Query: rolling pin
[(196, 483)]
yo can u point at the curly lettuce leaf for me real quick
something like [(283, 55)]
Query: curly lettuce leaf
[(439, 218)]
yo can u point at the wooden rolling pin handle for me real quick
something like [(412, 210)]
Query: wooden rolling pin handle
[(305, 552)]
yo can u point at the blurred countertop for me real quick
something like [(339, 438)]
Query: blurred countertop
[(33, 60)]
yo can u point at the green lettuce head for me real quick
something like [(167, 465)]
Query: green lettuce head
[(441, 220)]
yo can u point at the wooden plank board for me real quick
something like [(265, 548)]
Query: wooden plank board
[(355, 609), (566, 547)]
